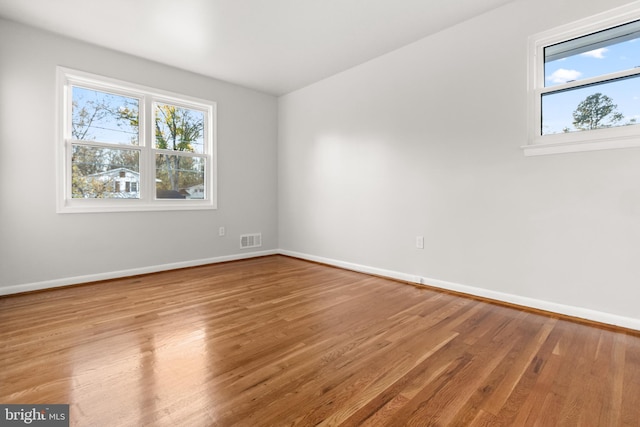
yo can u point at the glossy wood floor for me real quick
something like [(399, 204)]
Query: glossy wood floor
[(277, 341)]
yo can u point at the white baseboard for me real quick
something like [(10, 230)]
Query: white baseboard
[(567, 310), (354, 267), (563, 309), (28, 287)]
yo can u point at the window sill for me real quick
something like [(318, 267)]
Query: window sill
[(601, 139), (98, 206)]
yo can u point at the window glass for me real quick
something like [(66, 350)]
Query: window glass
[(603, 52), (608, 100), (584, 86), (603, 105), (104, 173), (104, 117), (179, 176), (127, 147), (179, 129)]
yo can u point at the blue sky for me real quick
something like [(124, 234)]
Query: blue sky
[(105, 127), (558, 108)]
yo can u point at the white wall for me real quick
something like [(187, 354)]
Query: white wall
[(423, 141), (426, 141), (39, 248)]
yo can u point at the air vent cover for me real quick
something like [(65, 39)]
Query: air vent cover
[(250, 240)]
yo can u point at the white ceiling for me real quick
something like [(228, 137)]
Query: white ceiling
[(274, 46)]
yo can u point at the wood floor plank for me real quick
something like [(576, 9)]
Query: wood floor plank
[(279, 341)]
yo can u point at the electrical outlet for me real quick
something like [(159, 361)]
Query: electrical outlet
[(221, 231), (420, 242)]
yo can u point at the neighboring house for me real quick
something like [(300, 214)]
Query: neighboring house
[(121, 182), (195, 191)]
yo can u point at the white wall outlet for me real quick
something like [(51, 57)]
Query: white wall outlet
[(221, 231), (420, 242)]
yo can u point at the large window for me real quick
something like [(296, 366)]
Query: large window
[(127, 147), (585, 85)]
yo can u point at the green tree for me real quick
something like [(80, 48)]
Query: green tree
[(596, 111), (93, 112), (177, 129), (83, 117)]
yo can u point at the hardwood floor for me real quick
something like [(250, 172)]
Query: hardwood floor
[(278, 341)]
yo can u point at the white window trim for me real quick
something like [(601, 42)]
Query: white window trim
[(148, 96), (597, 139)]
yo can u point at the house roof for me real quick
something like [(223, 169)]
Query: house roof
[(115, 171)]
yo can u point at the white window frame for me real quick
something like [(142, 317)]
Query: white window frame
[(66, 78), (596, 139)]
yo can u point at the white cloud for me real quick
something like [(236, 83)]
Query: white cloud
[(562, 76), (596, 53)]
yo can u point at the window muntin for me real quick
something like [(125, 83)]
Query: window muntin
[(585, 85), (127, 147)]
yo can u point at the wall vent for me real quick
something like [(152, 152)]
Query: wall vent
[(250, 240)]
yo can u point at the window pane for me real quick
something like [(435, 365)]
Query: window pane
[(179, 129), (608, 104), (179, 177), (105, 173), (597, 54), (104, 117)]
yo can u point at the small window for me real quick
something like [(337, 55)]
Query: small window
[(126, 147), (585, 86)]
